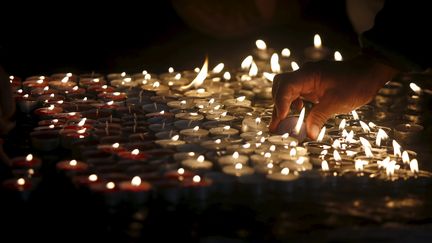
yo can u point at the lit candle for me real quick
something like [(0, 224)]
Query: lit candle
[(173, 142), (233, 159), (238, 169), (318, 51), (197, 164), (71, 165), (26, 161)]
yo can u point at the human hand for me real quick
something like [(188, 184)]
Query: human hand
[(334, 87)]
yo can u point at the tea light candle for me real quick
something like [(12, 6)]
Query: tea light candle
[(261, 51), (181, 104), (318, 51), (198, 93), (283, 139), (135, 185), (170, 143), (133, 155), (197, 164), (179, 175), (71, 165), (86, 180), (194, 132), (189, 116), (48, 111), (300, 164), (233, 159), (217, 144), (246, 148), (26, 161), (111, 148), (283, 176), (240, 101), (224, 131), (222, 117), (407, 132), (26, 103), (20, 184), (238, 169), (254, 124)]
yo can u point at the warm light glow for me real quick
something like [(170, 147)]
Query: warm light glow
[(260, 44), (82, 131), (293, 152), (269, 76), (274, 63), (342, 124), (355, 115), (135, 152), (29, 157), (156, 84), (65, 80), (286, 52), (218, 141), (336, 144), (414, 166), (240, 98), (396, 149), (196, 128), (51, 107), (238, 166), (285, 171), (365, 142), (136, 181), (51, 126), (21, 181), (246, 145), (390, 168), (272, 148), (218, 68), (368, 152), (247, 62), (317, 41), (325, 165), (405, 157), (415, 88), (82, 122), (75, 88), (123, 74), (177, 76), (300, 160), (199, 79), (336, 156), (196, 179), (170, 69), (93, 177), (338, 56), (270, 165), (267, 155), (175, 138), (226, 128), (253, 71), (110, 185), (200, 91), (235, 155), (359, 165), (294, 66), (300, 121), (285, 136), (200, 158), (40, 81), (73, 163), (365, 127), (321, 134), (180, 171), (227, 75), (381, 135), (110, 102)]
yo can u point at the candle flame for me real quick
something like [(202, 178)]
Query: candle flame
[(180, 171), (396, 149), (300, 160), (274, 63), (267, 155), (336, 144), (293, 152), (415, 88), (405, 157), (51, 107), (286, 52), (135, 152), (218, 68), (269, 76), (317, 41), (196, 128), (368, 152), (342, 124), (246, 145), (381, 135), (338, 56), (260, 44), (65, 79), (75, 88), (218, 141), (136, 181), (270, 165), (238, 166), (21, 181), (299, 122), (365, 127), (199, 79), (29, 157), (359, 165), (235, 155), (177, 76), (40, 81), (82, 131), (294, 66), (285, 171), (110, 102), (321, 134), (175, 138), (247, 62), (325, 165), (110, 185), (170, 69), (51, 126), (227, 75), (200, 158), (196, 179), (355, 115), (336, 156), (82, 122), (414, 166), (93, 177), (73, 163), (390, 168), (253, 71)]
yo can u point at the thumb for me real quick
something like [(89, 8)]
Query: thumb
[(319, 114)]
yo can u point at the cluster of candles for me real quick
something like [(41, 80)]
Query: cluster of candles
[(133, 134)]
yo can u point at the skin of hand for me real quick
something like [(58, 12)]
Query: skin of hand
[(333, 87)]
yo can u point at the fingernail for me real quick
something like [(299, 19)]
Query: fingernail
[(314, 131)]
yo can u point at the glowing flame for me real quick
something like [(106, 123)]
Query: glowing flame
[(336, 144), (82, 131), (235, 155), (317, 41), (226, 128), (135, 152), (294, 66), (381, 135), (218, 141), (177, 76), (260, 44), (82, 122), (355, 115), (65, 80), (93, 177), (51, 126), (300, 160), (274, 63), (293, 152), (110, 185), (336, 156), (368, 152), (73, 163), (196, 179), (405, 157), (285, 136), (272, 148), (253, 71), (286, 52), (238, 166), (365, 142), (227, 75), (110, 102), (338, 56), (415, 88), (299, 121), (180, 171), (246, 145), (390, 168), (414, 166), (170, 69), (325, 165), (396, 149), (75, 88), (247, 62), (156, 84), (123, 74), (218, 68), (199, 79), (365, 127), (29, 157), (342, 124), (267, 155), (136, 181), (269, 76), (285, 171), (240, 99), (21, 182), (359, 165), (175, 138), (270, 165), (40, 81), (321, 134), (51, 107), (195, 129)]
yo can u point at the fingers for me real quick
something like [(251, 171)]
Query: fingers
[(320, 113)]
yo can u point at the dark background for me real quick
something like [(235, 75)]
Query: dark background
[(40, 39)]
